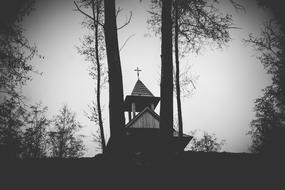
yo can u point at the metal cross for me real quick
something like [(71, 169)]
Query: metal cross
[(138, 71)]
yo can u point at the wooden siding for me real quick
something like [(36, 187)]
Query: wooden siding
[(147, 120)]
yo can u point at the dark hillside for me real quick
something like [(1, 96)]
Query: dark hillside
[(188, 170)]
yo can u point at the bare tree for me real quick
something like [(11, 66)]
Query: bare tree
[(177, 71), (196, 24), (12, 121), (35, 136), (116, 95), (93, 49), (63, 140)]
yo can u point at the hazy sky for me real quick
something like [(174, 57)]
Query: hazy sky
[(229, 80)]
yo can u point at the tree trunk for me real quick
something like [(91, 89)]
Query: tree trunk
[(116, 113), (166, 85), (96, 20), (177, 82)]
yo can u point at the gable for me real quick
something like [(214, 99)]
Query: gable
[(146, 119)]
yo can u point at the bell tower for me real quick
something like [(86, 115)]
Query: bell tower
[(143, 129), (139, 99)]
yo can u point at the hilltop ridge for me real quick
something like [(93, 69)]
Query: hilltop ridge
[(187, 169)]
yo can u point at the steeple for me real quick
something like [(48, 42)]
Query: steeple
[(141, 90), (140, 98)]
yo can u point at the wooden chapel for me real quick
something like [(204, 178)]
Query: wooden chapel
[(142, 129)]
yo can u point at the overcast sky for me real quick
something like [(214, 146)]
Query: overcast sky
[(228, 80)]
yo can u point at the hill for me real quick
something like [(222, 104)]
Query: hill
[(186, 170)]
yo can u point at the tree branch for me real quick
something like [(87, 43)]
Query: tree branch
[(78, 9), (238, 6), (126, 41), (127, 22), (193, 84), (90, 17), (118, 11)]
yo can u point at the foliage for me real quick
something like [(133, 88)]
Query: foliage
[(200, 23), (35, 135), (64, 142), (196, 24), (87, 50), (93, 48), (88, 46), (268, 129), (12, 120), (23, 130), (93, 116), (187, 81), (96, 137), (15, 50), (206, 143)]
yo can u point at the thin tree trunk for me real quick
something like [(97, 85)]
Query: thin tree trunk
[(166, 86), (96, 20), (177, 82), (116, 113)]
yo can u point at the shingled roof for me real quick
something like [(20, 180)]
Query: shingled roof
[(141, 90)]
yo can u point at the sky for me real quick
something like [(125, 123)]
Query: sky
[(227, 81)]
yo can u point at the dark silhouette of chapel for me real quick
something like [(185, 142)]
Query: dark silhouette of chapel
[(142, 129)]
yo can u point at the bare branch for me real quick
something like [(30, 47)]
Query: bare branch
[(193, 84), (127, 22), (126, 41), (87, 15), (118, 11), (238, 6), (78, 9)]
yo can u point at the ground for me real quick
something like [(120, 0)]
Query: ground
[(187, 170)]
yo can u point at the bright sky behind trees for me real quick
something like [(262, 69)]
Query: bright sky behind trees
[(229, 79)]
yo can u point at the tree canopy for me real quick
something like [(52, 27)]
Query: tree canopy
[(268, 128), (63, 139), (15, 49)]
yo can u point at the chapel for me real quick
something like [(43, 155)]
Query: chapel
[(142, 127)]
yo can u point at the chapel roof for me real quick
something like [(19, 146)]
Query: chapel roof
[(141, 90)]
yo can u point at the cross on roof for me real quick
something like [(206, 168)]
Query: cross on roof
[(138, 72)]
